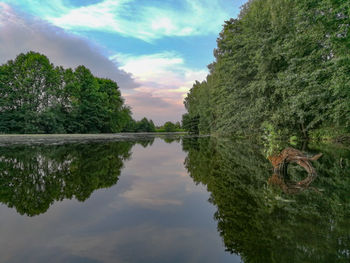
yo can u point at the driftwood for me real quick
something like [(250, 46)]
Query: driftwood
[(280, 165)]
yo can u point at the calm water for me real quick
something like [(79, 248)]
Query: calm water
[(169, 200)]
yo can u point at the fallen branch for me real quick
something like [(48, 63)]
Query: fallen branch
[(280, 166)]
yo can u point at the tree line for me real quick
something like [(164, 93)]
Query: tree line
[(38, 97), (282, 66)]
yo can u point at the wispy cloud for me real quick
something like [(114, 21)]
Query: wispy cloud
[(146, 20), (160, 72), (20, 33), (155, 83), (163, 80)]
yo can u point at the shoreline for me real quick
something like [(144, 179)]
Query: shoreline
[(34, 139)]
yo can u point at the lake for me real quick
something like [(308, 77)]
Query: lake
[(170, 198)]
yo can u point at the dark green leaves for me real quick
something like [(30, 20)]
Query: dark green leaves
[(36, 97), (281, 62)]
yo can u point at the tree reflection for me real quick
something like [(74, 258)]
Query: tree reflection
[(32, 178), (280, 176), (170, 138), (264, 224)]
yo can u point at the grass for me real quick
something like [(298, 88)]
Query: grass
[(163, 130)]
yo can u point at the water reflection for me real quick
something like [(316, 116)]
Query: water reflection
[(264, 224), (32, 178), (153, 212), (280, 176)]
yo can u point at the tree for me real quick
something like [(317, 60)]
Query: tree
[(36, 97), (190, 124), (169, 127), (28, 91), (144, 125), (112, 105), (280, 63)]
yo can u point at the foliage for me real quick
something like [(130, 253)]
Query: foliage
[(263, 224), (144, 125), (32, 178), (190, 123), (282, 62), (169, 126), (37, 97)]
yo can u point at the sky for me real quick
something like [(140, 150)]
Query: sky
[(154, 49)]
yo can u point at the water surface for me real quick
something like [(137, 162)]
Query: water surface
[(169, 199)]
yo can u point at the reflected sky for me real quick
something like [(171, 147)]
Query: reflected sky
[(262, 222), (155, 213)]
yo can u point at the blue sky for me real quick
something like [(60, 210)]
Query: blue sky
[(158, 47)]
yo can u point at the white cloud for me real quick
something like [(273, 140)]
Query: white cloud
[(153, 66), (154, 85), (160, 72), (163, 80), (147, 20), (169, 186), (20, 34)]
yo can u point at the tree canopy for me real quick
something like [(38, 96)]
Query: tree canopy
[(37, 97), (283, 64)]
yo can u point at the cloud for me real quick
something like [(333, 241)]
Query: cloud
[(154, 85), (148, 101), (20, 33), (152, 65), (163, 80), (150, 195), (156, 108), (146, 20), (162, 74), (168, 186)]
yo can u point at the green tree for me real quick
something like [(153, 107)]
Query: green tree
[(281, 63), (28, 92), (112, 106), (144, 125), (87, 112), (190, 123), (169, 127), (36, 97)]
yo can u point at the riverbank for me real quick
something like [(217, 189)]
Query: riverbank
[(13, 139)]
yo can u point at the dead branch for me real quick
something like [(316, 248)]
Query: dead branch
[(280, 165)]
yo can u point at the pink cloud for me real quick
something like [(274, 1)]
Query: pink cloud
[(163, 83)]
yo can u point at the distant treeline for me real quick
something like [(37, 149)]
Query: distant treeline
[(37, 97), (170, 127), (282, 66)]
